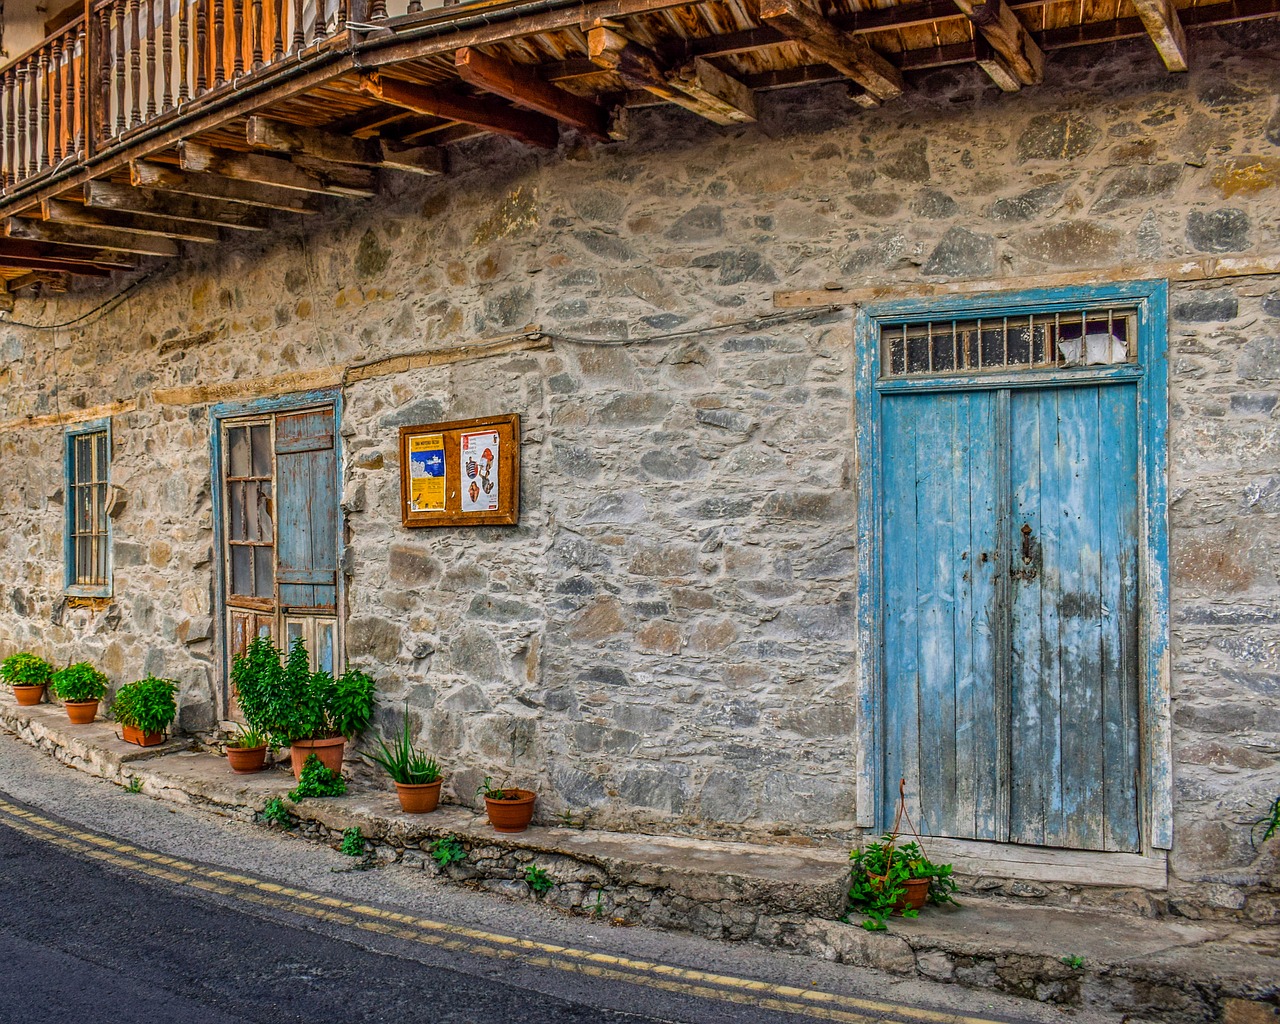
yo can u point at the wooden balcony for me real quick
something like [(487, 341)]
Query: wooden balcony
[(146, 125)]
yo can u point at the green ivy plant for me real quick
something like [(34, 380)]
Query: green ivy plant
[(317, 780), (274, 812), (879, 875), (25, 669), (404, 762), (447, 850), (80, 681), (352, 842), (146, 704), (538, 880)]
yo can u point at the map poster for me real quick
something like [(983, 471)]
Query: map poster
[(478, 456), (426, 473)]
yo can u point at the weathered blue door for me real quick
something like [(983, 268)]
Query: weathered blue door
[(1009, 553)]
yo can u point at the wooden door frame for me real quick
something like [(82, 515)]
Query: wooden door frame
[(329, 398), (1150, 298)]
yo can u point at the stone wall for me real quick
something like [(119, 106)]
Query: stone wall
[(666, 641)]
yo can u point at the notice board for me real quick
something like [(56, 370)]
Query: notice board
[(462, 473)]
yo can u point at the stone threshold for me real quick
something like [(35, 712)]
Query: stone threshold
[(781, 896)]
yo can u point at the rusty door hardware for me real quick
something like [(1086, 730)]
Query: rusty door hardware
[(1029, 571)]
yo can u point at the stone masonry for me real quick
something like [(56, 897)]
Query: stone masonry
[(666, 641)]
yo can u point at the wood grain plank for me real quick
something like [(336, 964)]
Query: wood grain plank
[(59, 211), (850, 55), (1160, 18)]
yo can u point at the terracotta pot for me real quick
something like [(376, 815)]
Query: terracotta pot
[(29, 696), (132, 734), (419, 798), (917, 893), (511, 815), (81, 712), (247, 760), (328, 750)]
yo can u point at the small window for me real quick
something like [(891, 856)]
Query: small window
[(88, 546)]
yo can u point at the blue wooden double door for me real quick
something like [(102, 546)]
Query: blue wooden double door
[(1009, 559)]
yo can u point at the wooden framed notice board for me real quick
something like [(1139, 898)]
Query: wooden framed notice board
[(463, 473)]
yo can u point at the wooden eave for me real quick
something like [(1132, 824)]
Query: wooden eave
[(407, 87)]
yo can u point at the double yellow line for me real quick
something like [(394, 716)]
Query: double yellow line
[(330, 909)]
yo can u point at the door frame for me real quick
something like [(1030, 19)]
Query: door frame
[(329, 398), (1150, 298)]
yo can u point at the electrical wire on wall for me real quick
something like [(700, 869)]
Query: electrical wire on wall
[(763, 320), (101, 309)]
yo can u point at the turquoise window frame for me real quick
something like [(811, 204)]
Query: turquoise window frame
[(70, 587), (1150, 299)]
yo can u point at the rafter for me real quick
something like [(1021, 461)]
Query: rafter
[(279, 172), (265, 133), (534, 129), (59, 211), (522, 85), (100, 238), (27, 249), (56, 265), (1015, 59), (851, 55), (106, 195), (1160, 19), (146, 174)]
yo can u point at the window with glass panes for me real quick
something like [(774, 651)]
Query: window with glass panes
[(88, 543)]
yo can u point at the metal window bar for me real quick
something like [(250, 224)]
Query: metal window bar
[(89, 508)]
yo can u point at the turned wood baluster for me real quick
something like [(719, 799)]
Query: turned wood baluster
[(219, 41), (415, 6), (237, 25), (277, 49), (33, 116), (10, 149), (202, 46), (184, 50), (43, 101), (257, 34), (378, 10), (22, 120), (54, 135), (121, 123), (135, 64), (151, 57), (299, 30), (166, 53), (101, 126), (342, 15), (75, 94)]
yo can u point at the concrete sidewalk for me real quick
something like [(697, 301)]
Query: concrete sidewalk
[(782, 896)]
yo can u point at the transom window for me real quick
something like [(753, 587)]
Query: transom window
[(88, 545), (1039, 341)]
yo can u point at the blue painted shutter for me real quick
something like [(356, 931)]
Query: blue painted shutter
[(307, 518)]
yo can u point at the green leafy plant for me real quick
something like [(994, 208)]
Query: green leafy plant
[(404, 762), (878, 879), (134, 785), (1073, 960), (491, 792), (80, 681), (447, 850), (538, 880), (274, 812), (25, 669), (1269, 823), (247, 737), (317, 780), (146, 704), (597, 908), (352, 842)]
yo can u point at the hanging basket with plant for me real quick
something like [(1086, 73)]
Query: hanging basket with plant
[(80, 687), (28, 675), (145, 709)]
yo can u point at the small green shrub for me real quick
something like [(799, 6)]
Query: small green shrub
[(1269, 823), (878, 880), (352, 842), (25, 669), (317, 780), (405, 763), (539, 881), (1073, 960), (274, 812), (80, 681), (134, 785), (447, 850), (146, 704)]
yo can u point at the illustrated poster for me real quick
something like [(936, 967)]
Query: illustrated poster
[(426, 473), (478, 454)]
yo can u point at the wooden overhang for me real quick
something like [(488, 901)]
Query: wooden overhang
[(136, 131)]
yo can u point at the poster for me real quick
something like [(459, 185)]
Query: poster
[(426, 473), (478, 455)]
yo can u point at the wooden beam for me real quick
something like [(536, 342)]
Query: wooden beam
[(278, 172), (697, 85), (106, 195), (61, 253), (6, 298), (59, 211), (280, 137), (851, 55), (56, 266), (93, 238), (1160, 18), (1019, 55), (57, 280), (522, 85), (146, 174), (480, 111)]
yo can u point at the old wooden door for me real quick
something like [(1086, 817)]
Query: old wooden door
[(1009, 536)]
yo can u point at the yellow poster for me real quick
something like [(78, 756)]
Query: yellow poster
[(426, 473)]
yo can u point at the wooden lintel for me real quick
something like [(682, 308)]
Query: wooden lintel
[(146, 174), (62, 419), (60, 211), (279, 172), (90, 237), (279, 137), (480, 111), (107, 195), (1160, 19), (851, 55), (522, 85), (1008, 37)]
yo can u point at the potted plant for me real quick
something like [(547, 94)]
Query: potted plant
[(888, 878), (247, 750), (310, 711), (28, 675), (415, 773), (80, 687), (145, 709), (510, 809)]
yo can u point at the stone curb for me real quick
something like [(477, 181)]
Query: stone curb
[(785, 897)]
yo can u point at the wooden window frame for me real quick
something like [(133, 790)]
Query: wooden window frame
[(71, 587), (1150, 372)]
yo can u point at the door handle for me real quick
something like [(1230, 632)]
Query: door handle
[(1028, 570)]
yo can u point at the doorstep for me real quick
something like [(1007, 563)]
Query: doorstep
[(788, 897)]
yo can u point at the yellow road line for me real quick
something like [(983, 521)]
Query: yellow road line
[(681, 980)]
